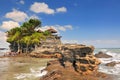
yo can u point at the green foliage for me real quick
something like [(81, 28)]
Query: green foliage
[(36, 37), (26, 35), (46, 33), (35, 23)]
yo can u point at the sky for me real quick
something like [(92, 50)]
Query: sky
[(90, 22)]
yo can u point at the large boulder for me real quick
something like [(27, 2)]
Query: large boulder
[(102, 55), (56, 71), (77, 63), (81, 57)]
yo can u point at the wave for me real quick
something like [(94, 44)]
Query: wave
[(33, 73), (111, 70)]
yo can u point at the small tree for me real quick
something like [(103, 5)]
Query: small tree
[(36, 38)]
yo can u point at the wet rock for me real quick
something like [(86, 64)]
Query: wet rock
[(102, 55), (111, 64), (54, 75), (42, 55), (77, 63), (58, 72), (52, 62)]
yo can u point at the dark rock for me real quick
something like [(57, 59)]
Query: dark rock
[(83, 68), (80, 57), (102, 55), (111, 64), (92, 61), (52, 62), (84, 61), (54, 75)]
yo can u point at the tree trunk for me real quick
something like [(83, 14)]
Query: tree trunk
[(18, 48), (27, 49), (35, 47)]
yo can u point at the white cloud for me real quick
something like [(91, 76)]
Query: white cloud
[(16, 15), (38, 7), (102, 43), (63, 28), (3, 43), (62, 9), (7, 25), (22, 2), (96, 43), (70, 41), (58, 27), (46, 27), (34, 17)]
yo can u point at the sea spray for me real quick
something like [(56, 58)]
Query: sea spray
[(115, 70), (33, 73)]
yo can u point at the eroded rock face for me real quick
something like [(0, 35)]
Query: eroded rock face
[(81, 57), (54, 75), (77, 63), (42, 55), (102, 55)]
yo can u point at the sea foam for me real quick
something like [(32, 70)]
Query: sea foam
[(33, 73)]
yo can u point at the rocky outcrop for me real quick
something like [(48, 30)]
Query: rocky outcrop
[(112, 64), (43, 55), (77, 63), (80, 57), (56, 71), (102, 55)]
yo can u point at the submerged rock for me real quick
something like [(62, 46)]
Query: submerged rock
[(111, 64), (102, 55)]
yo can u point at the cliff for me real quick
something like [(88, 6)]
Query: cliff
[(77, 62)]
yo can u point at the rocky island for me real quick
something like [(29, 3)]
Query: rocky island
[(73, 61), (77, 62)]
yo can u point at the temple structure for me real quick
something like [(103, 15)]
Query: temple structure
[(51, 43)]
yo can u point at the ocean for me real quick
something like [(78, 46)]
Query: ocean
[(30, 69), (115, 53), (21, 68)]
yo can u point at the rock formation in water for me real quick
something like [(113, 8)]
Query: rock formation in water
[(77, 63), (81, 57), (112, 64), (102, 55)]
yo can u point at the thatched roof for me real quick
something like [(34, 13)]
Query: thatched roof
[(39, 31)]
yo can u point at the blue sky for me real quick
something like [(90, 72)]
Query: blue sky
[(90, 22)]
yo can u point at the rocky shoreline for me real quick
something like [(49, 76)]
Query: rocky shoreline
[(76, 63), (57, 72)]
